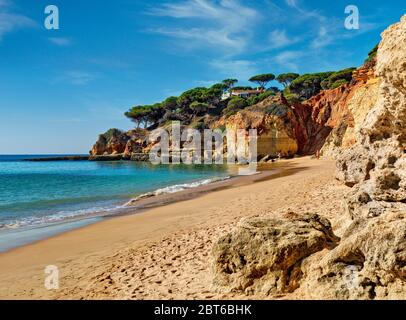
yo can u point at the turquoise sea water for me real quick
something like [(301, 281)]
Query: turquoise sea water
[(41, 193)]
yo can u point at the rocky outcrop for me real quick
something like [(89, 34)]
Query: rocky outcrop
[(265, 255), (327, 121), (271, 256), (110, 143), (376, 166), (117, 145), (369, 263), (275, 123)]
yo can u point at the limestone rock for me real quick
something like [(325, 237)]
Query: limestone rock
[(264, 255), (111, 142), (369, 263), (271, 256), (275, 124), (376, 165)]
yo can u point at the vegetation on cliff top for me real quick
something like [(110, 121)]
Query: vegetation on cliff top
[(372, 54), (310, 84), (202, 101)]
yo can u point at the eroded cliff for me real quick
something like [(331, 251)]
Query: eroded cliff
[(369, 261)]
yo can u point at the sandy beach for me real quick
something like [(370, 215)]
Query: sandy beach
[(165, 252)]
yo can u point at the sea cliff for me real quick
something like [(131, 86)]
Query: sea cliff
[(326, 121)]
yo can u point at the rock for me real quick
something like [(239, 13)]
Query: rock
[(376, 165), (265, 255), (274, 121), (327, 121), (107, 157), (369, 263), (111, 142)]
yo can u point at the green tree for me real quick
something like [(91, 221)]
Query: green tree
[(199, 107), (170, 103), (337, 79), (229, 83), (307, 85), (262, 79), (286, 78), (372, 54), (261, 97)]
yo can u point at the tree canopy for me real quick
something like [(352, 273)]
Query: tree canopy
[(229, 83), (199, 107), (287, 78), (262, 79), (310, 84), (372, 54), (191, 102), (234, 105)]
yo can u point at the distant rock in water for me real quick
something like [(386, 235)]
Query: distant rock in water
[(117, 145), (62, 158)]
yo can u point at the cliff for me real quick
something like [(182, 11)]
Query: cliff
[(327, 122), (299, 251), (275, 123)]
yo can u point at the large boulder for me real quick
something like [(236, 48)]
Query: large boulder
[(369, 263), (265, 255)]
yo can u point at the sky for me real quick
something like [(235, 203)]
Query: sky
[(59, 89)]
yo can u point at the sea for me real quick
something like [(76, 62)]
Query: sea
[(41, 199)]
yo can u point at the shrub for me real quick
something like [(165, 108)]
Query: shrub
[(337, 79), (234, 105), (372, 54), (256, 99)]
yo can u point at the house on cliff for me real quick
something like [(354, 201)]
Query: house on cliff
[(242, 93)]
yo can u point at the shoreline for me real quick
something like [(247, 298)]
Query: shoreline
[(91, 251), (27, 235)]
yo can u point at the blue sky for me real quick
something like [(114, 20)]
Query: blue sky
[(60, 88)]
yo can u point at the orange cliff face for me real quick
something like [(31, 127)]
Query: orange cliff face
[(275, 123), (328, 121)]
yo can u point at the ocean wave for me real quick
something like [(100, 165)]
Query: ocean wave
[(72, 215), (61, 216), (176, 188)]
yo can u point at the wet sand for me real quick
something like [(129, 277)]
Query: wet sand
[(163, 251)]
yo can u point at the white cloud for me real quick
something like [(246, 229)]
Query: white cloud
[(279, 39), (239, 69), (9, 21), (292, 3), (288, 60), (225, 25), (59, 41)]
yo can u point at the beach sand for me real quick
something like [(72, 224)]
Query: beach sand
[(165, 252)]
